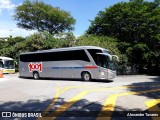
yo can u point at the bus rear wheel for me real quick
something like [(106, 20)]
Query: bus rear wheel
[(36, 75), (86, 76)]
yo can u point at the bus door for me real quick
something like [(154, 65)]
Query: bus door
[(107, 68)]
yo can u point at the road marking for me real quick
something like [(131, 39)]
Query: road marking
[(70, 87), (152, 107), (59, 92), (46, 111), (68, 104), (64, 107), (103, 87), (111, 101), (53, 101)]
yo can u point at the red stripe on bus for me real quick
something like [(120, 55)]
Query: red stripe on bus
[(90, 67)]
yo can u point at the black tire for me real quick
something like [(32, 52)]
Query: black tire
[(36, 75), (86, 76)]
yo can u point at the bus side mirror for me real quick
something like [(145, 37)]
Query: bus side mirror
[(15, 63), (117, 58), (109, 56)]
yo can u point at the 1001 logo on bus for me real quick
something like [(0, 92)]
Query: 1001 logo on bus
[(35, 67)]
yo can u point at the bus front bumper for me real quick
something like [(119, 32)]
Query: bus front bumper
[(11, 71)]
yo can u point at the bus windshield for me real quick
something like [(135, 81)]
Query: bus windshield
[(9, 64), (105, 62), (1, 64)]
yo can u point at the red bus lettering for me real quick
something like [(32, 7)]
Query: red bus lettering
[(35, 66)]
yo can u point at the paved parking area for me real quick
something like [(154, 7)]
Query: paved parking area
[(127, 97)]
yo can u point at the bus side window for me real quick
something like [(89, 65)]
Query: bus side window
[(98, 61)]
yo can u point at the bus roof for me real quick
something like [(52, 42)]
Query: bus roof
[(6, 58), (67, 48)]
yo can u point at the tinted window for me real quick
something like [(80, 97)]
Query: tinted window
[(103, 61), (80, 55), (93, 53), (55, 56), (9, 64), (1, 64), (66, 55)]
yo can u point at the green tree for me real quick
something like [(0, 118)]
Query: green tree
[(8, 47), (101, 41), (136, 25), (40, 41), (43, 41), (66, 39), (39, 16), (135, 21)]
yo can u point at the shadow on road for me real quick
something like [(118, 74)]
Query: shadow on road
[(154, 84), (30, 105), (68, 79), (147, 86), (85, 109), (81, 110)]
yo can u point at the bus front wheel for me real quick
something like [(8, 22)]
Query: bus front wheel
[(86, 76), (36, 75)]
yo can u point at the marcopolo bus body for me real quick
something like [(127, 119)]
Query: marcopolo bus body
[(85, 62), (7, 64)]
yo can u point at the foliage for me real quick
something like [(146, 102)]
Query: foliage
[(132, 22), (136, 25), (101, 41), (39, 16), (12, 47), (8, 47), (65, 39)]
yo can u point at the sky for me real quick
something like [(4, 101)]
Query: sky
[(81, 10)]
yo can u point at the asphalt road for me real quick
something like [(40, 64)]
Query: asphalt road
[(134, 97)]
